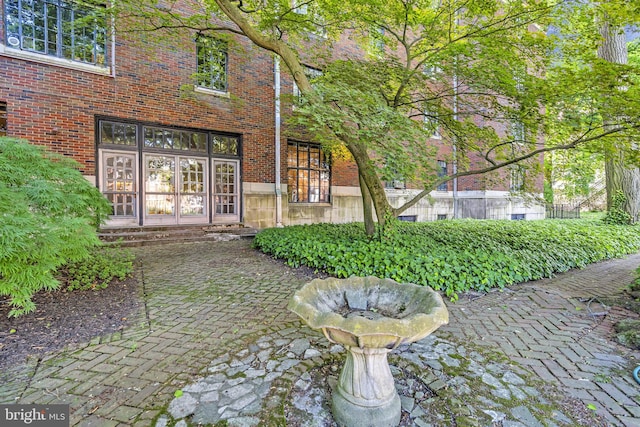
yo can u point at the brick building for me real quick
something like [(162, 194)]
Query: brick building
[(188, 132)]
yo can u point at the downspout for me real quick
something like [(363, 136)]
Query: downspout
[(456, 214), (278, 184), (455, 151)]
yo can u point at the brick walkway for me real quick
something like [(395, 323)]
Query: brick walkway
[(557, 328), (203, 300)]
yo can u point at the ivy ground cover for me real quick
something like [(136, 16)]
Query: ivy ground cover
[(452, 256)]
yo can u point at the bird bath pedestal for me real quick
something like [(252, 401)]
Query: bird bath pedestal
[(369, 317)]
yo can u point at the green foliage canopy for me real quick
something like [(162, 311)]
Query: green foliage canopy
[(49, 214)]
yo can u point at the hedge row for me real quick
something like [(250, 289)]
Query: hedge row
[(452, 256)]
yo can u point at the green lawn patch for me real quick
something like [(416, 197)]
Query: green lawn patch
[(452, 256)]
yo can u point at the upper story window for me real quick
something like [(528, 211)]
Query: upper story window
[(431, 71), (58, 28), (431, 124), (213, 62), (300, 7), (517, 177), (518, 132), (309, 17), (309, 173), (442, 171), (311, 74)]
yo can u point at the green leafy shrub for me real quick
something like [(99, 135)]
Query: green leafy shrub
[(634, 287), (617, 215), (452, 256), (49, 214), (104, 264), (628, 333)]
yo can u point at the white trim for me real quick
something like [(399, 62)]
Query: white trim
[(176, 218), (115, 221), (53, 60), (207, 91), (222, 217)]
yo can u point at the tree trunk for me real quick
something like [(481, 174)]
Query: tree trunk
[(368, 175), (618, 175), (369, 223)]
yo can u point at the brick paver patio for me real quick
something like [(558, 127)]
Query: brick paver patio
[(205, 299)]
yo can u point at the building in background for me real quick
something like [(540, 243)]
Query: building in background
[(189, 133)]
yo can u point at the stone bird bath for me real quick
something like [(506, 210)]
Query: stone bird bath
[(369, 317)]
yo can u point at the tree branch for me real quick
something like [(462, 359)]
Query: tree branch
[(573, 144)]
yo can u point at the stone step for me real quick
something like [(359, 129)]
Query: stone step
[(142, 236)]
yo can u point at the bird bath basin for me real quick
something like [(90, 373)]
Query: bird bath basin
[(369, 317)]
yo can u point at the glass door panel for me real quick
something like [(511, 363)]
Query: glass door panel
[(193, 190), (225, 190), (118, 184), (171, 201), (160, 189)]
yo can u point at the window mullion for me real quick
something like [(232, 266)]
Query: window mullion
[(45, 22), (59, 31), (72, 30), (20, 20), (94, 42), (298, 172)]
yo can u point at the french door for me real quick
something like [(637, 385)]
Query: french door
[(156, 175), (175, 190), (226, 207), (119, 185)]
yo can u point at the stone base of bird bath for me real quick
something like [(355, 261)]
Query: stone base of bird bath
[(369, 317), (366, 393)]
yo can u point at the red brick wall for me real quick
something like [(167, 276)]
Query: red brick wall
[(56, 106)]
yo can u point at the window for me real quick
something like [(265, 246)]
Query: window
[(224, 145), (518, 217), (431, 71), (3, 119), (309, 17), (431, 124), (518, 132), (442, 171), (398, 184), (212, 63), (517, 178), (59, 28), (311, 74), (408, 218), (118, 134), (441, 217), (392, 178), (174, 139), (308, 173), (377, 42), (300, 7)]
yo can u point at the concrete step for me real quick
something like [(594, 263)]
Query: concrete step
[(142, 236)]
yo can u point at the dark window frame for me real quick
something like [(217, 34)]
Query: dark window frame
[(298, 169), (140, 149), (3, 119), (55, 22), (442, 171), (210, 74), (517, 177)]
